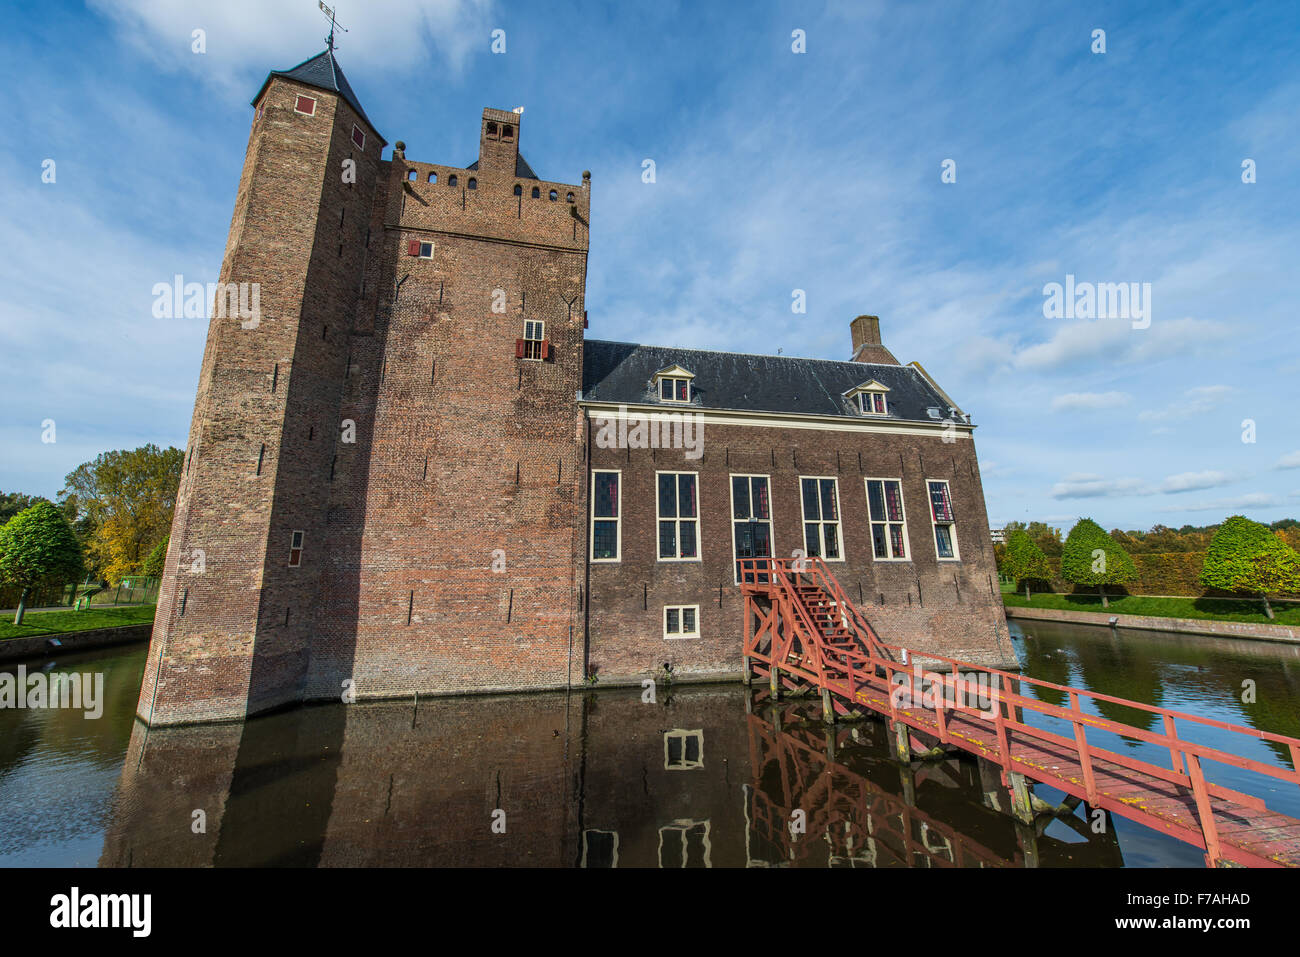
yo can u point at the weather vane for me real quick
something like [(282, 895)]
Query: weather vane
[(329, 12)]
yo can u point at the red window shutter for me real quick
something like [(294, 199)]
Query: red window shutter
[(519, 348), (546, 348), (413, 248)]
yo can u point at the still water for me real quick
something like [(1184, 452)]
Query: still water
[(702, 777)]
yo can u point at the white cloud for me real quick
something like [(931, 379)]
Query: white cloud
[(1080, 485), (1250, 500), (1195, 481), (1289, 461), (1081, 401), (1195, 401), (243, 37), (1117, 341)]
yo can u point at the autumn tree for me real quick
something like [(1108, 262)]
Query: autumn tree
[(1025, 561), (1091, 557), (124, 501), (1248, 558), (37, 549)]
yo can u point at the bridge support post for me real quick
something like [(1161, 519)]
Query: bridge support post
[(1022, 802), (774, 680), (828, 710), (902, 747), (749, 674), (1027, 838)]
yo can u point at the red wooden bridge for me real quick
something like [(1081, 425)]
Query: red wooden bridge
[(802, 631)]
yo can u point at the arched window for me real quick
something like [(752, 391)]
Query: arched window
[(519, 190), (491, 128), (433, 177), (411, 175), (473, 183), (536, 192), (554, 196), (451, 180), (507, 132), (568, 197)]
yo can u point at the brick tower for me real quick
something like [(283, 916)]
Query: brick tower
[(383, 489)]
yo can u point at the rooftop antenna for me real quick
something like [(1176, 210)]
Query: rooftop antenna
[(329, 12)]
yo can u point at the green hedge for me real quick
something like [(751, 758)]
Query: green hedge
[(1165, 573)]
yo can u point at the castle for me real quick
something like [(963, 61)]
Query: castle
[(414, 474)]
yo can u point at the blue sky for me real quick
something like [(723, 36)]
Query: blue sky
[(775, 171)]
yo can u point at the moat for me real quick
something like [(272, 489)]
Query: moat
[(700, 777)]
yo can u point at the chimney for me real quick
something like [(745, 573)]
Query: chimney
[(498, 144), (866, 342)]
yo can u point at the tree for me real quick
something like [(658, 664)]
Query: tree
[(11, 503), (1025, 561), (38, 548), (1247, 558), (1092, 557), (153, 565), (123, 502)]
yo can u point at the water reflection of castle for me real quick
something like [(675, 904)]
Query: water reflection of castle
[(602, 781)]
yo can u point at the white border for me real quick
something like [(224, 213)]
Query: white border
[(681, 634), (902, 501), (934, 523), (731, 516), (591, 529), (821, 531), (699, 546)]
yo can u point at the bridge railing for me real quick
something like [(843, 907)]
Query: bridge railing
[(886, 668)]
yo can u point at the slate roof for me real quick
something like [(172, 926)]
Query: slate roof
[(324, 73), (623, 372), (522, 169)]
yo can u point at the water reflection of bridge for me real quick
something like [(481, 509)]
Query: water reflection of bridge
[(807, 805)]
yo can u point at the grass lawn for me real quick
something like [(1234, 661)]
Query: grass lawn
[(60, 622), (1217, 609)]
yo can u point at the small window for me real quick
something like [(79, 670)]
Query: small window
[(534, 337), (433, 178), (606, 517), (675, 390), (945, 524), (871, 403), (426, 250), (473, 183), (683, 750), (568, 197), (599, 848), (679, 516), (507, 132), (684, 844), (536, 193), (492, 128), (358, 136), (451, 180), (410, 175), (681, 621), (888, 520), (519, 190), (554, 196), (295, 550), (305, 105)]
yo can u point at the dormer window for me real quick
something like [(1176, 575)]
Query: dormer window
[(673, 384), (870, 398)]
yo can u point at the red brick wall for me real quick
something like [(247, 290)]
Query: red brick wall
[(942, 606)]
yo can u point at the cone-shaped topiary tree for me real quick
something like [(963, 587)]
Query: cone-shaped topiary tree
[(1091, 557), (153, 565), (1246, 557), (1025, 561), (38, 547)]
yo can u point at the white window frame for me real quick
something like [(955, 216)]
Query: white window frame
[(598, 830), (426, 242), (304, 96), (533, 346), (935, 523), (669, 636), (674, 379), (699, 549), (731, 515), (683, 734), (902, 502), (618, 520), (299, 536), (821, 523), (884, 402), (355, 130), (681, 827)]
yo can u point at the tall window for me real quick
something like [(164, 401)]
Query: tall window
[(534, 334), (888, 523), (295, 550), (945, 529), (606, 517), (821, 518), (751, 514), (679, 517)]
